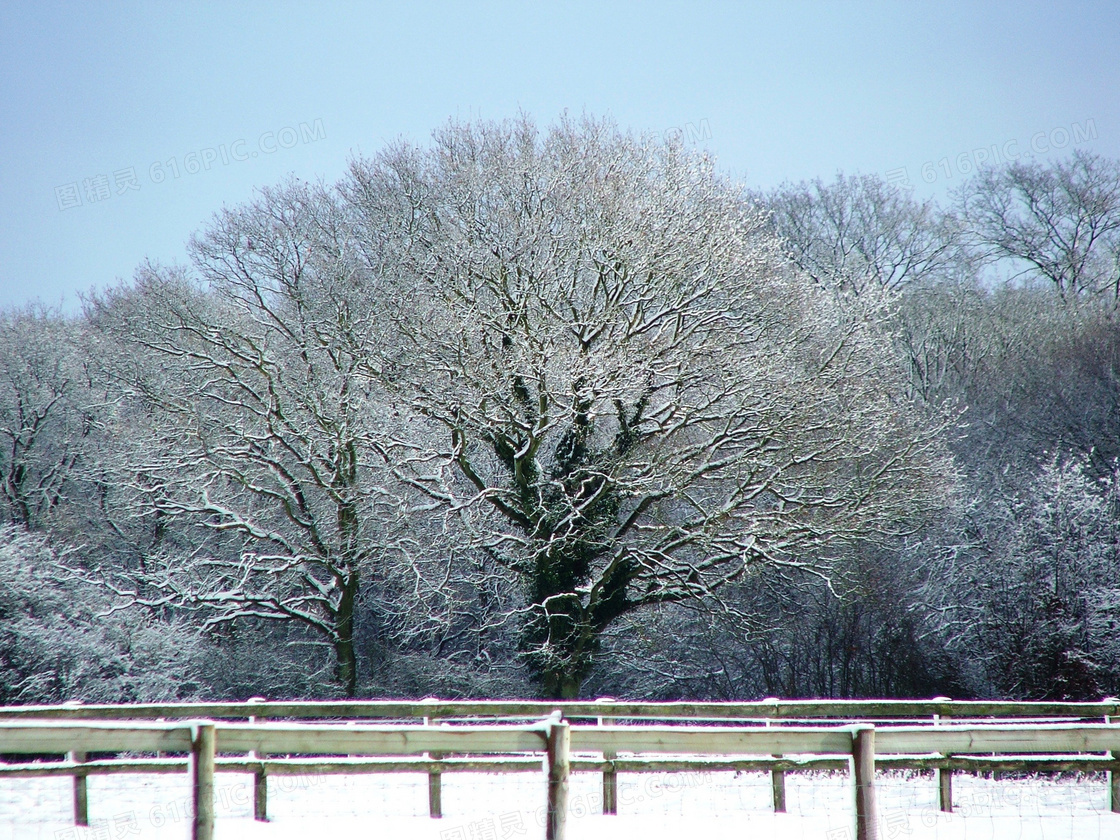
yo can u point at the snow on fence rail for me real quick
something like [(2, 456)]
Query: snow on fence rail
[(769, 709), (204, 746)]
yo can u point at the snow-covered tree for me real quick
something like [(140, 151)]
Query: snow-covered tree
[(1032, 596), (61, 639), (640, 400), (259, 431), (44, 412)]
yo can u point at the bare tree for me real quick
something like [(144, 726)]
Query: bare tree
[(858, 233), (259, 428), (639, 401), (1058, 221)]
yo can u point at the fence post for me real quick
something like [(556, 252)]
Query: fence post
[(945, 789), (944, 774), (778, 789), (435, 790), (435, 774), (777, 782), (260, 776), (559, 767), (81, 790), (435, 777), (1113, 776), (202, 781), (863, 777), (610, 775)]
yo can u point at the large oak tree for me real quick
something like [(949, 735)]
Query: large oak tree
[(640, 399)]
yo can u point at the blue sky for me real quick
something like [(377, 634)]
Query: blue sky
[(125, 126)]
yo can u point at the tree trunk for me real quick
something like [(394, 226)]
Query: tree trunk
[(346, 660), (562, 684), (346, 670), (561, 687), (345, 481)]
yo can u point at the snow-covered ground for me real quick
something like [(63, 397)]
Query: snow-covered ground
[(510, 807)]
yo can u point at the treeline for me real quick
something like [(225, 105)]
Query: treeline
[(564, 412)]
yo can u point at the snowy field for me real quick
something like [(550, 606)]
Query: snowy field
[(697, 806)]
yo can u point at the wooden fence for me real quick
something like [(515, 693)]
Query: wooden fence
[(769, 736), (202, 742)]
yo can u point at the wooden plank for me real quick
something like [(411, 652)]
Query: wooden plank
[(1011, 738), (777, 785), (778, 790), (716, 765), (945, 789), (717, 740), (989, 764), (610, 771), (435, 793), (403, 709), (863, 779), (558, 773), (610, 787), (260, 775), (94, 768), (321, 766), (260, 794), (202, 781), (66, 737), (944, 778), (81, 789), (285, 766), (374, 739), (279, 709), (435, 783)]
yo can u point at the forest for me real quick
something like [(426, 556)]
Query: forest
[(566, 412)]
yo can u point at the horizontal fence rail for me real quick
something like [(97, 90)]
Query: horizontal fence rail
[(709, 740), (840, 710), (626, 738), (379, 739), (1013, 738), (51, 737)]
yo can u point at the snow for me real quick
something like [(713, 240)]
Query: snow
[(658, 806)]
